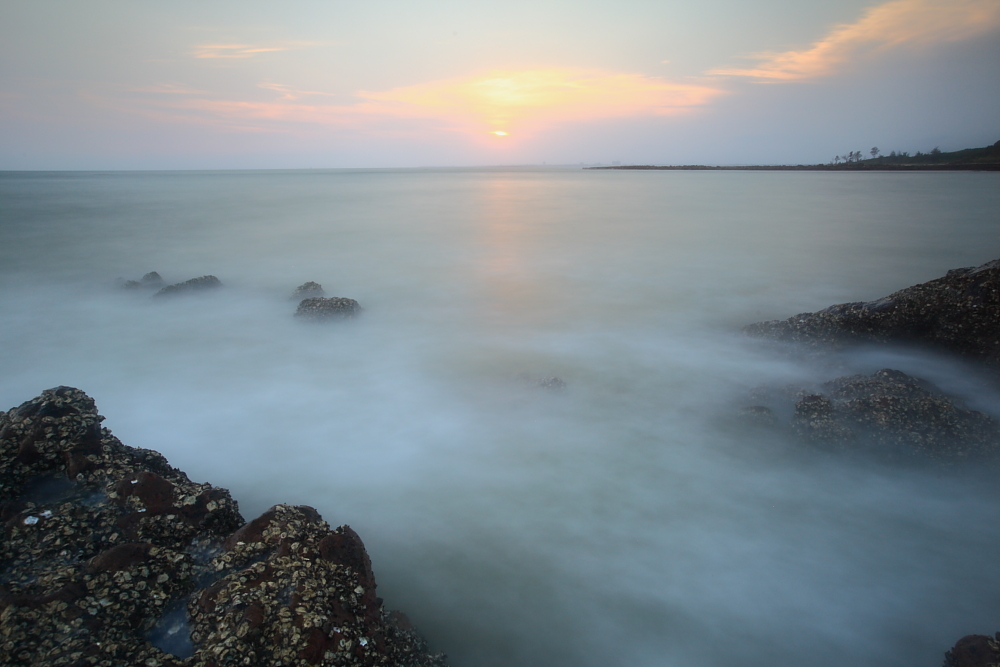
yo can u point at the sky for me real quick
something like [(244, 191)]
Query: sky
[(330, 84)]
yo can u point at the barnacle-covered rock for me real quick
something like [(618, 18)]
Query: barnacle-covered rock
[(888, 413), (110, 557), (958, 312)]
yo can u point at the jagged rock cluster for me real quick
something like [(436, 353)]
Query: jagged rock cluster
[(959, 312), (153, 280), (112, 557)]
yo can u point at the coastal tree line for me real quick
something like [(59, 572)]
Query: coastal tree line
[(876, 154), (987, 154)]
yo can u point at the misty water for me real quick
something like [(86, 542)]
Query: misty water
[(626, 519)]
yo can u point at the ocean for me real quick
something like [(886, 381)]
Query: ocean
[(622, 519)]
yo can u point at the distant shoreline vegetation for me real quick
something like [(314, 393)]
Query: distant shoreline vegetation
[(967, 159)]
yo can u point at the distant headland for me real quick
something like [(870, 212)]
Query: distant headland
[(967, 159)]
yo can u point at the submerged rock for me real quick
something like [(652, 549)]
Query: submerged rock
[(889, 414), (958, 312), (321, 309), (552, 383), (307, 290), (112, 557), (758, 414), (193, 285)]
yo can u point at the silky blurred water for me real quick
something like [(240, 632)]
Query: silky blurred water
[(622, 520)]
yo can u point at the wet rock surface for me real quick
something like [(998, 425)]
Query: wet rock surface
[(189, 286), (888, 414), (322, 309), (307, 291), (112, 557), (958, 312)]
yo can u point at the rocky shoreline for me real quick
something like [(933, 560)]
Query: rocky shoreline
[(890, 415), (112, 557)]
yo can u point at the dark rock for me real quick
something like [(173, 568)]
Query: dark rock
[(322, 309), (110, 556), (306, 291), (888, 414), (152, 279), (958, 312), (974, 651), (193, 285)]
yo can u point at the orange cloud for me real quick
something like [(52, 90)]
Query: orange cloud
[(881, 27), (502, 98), (492, 103)]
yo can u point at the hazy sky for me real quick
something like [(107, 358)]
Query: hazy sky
[(144, 85)]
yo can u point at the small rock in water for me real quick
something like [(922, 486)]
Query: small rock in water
[(758, 414), (321, 309), (306, 291), (552, 383), (193, 285), (152, 279)]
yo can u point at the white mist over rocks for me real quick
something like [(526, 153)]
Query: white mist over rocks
[(623, 519)]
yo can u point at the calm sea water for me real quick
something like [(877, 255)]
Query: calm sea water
[(621, 521)]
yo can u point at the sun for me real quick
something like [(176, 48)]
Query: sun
[(499, 133)]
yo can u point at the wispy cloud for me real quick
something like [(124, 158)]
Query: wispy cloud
[(237, 51), (501, 98), (504, 103), (242, 51), (892, 24), (168, 89), (289, 93)]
